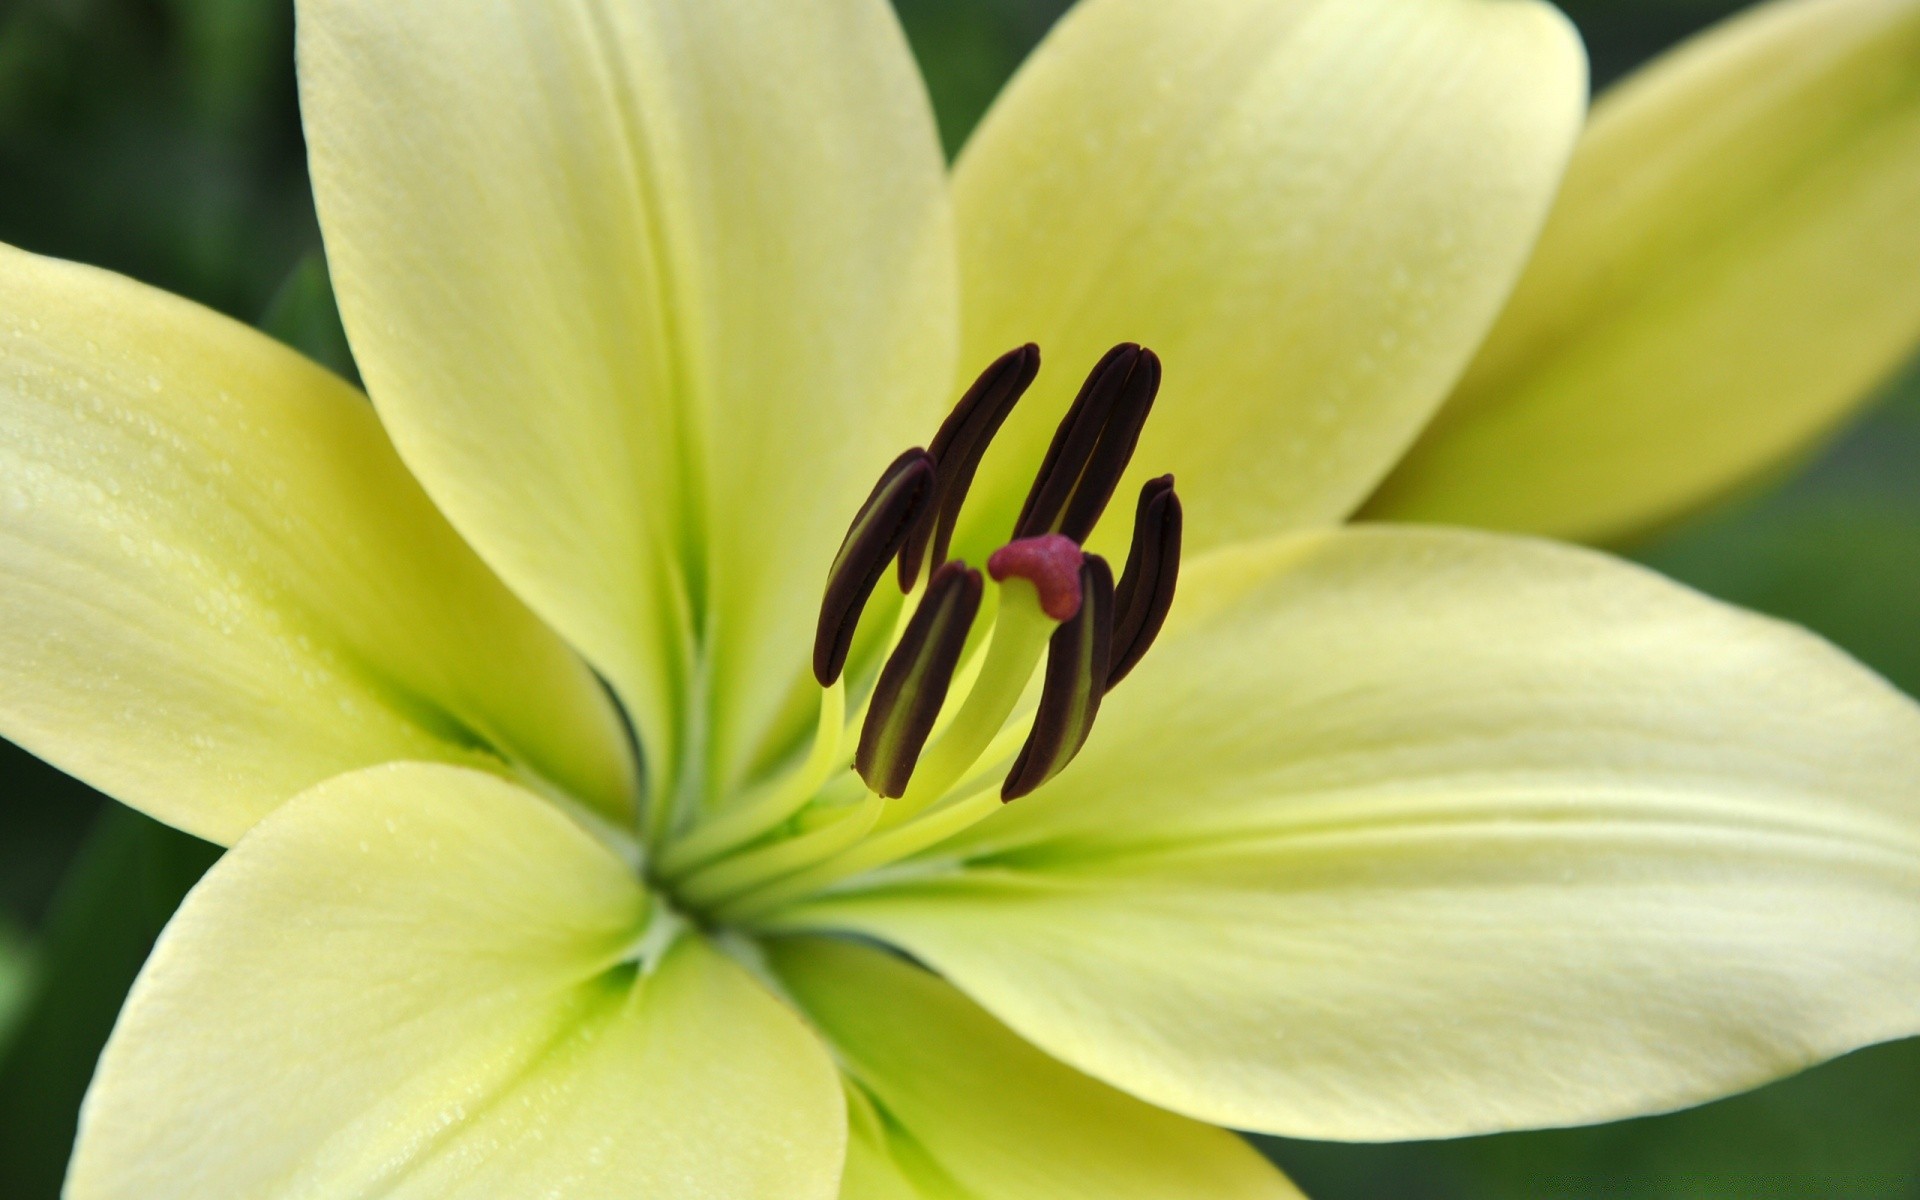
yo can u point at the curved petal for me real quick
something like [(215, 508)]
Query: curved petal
[(410, 982), (221, 586), (1732, 267), (954, 1104), (1403, 834), (1312, 209), (648, 294)]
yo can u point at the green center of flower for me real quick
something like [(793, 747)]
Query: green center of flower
[(938, 747)]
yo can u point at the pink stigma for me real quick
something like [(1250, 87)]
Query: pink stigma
[(1051, 562)]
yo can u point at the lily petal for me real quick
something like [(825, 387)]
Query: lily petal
[(960, 1106), (1413, 834), (1733, 266), (409, 983), (1311, 209), (221, 585), (648, 294)]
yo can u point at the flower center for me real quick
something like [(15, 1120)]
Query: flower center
[(941, 741)]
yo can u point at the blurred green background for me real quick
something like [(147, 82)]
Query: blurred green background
[(161, 138)]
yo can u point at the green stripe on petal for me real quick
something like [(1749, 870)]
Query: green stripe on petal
[(1732, 268), (649, 293), (1411, 834), (1311, 209), (947, 1101), (407, 983), (220, 585)]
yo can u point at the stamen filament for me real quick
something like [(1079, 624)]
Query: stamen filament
[(750, 870), (993, 758), (759, 817), (928, 830), (842, 789)]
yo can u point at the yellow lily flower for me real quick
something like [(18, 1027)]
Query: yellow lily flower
[(1396, 832)]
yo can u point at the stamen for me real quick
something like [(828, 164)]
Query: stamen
[(924, 770), (1077, 662), (913, 685), (756, 867), (896, 504), (958, 448), (892, 845), (1146, 588), (1092, 446), (765, 812)]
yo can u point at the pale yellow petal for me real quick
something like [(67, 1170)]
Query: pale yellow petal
[(1403, 834), (874, 1169), (219, 586), (408, 983), (961, 1106), (1312, 209), (1732, 268), (648, 293)]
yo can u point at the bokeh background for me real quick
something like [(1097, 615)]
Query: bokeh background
[(161, 138)]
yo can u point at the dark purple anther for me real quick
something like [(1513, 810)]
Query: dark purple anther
[(1092, 446), (913, 685), (1146, 587), (1077, 662), (957, 450), (892, 510)]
